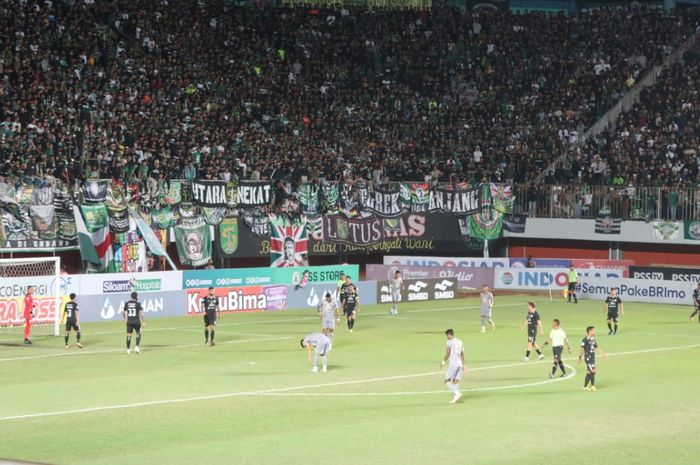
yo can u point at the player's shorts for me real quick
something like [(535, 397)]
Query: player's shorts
[(72, 324), (613, 316), (396, 296), (453, 373), (486, 313), (323, 349), (131, 327), (328, 323), (532, 336), (557, 351), (209, 319), (572, 287), (590, 364), (349, 311)]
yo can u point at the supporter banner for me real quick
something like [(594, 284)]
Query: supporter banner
[(502, 198), (236, 277), (467, 278), (95, 216), (239, 299), (667, 230), (226, 236), (465, 262), (109, 306), (455, 201), (515, 223), (410, 233), (209, 193), (193, 242), (415, 196), (381, 202), (289, 242), (665, 273), (355, 232), (606, 224), (311, 295), (419, 290), (95, 190), (486, 225), (691, 230), (544, 278), (638, 290), (308, 195), (254, 194)]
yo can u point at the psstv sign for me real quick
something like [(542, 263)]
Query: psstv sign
[(419, 290)]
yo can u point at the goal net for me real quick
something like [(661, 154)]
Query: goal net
[(16, 275)]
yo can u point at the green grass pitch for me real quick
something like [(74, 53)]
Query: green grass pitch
[(252, 400)]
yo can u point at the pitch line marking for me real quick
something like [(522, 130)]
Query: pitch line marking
[(297, 388), (109, 351), (572, 372)]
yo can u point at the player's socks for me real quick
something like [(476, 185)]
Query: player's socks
[(128, 342), (539, 352), (493, 325), (349, 324), (615, 330), (451, 387), (212, 336), (206, 336), (554, 369), (352, 324), (138, 339), (77, 336), (588, 379), (563, 370), (65, 338), (592, 375), (527, 354), (610, 327)]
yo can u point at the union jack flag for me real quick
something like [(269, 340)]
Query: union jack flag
[(289, 242)]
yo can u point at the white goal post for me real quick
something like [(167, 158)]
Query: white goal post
[(44, 274)]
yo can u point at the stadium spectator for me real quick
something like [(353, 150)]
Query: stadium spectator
[(144, 92)]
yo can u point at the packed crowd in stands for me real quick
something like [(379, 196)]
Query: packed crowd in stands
[(655, 144), (148, 91)]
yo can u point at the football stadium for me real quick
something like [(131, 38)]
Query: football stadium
[(349, 232)]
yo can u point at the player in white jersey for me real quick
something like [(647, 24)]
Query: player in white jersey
[(322, 345), (454, 357), (329, 312), (396, 288), (557, 337), (486, 298)]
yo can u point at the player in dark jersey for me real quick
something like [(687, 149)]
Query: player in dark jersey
[(210, 304), (696, 303), (533, 323), (589, 347), (133, 316), (72, 314), (351, 305), (613, 305)]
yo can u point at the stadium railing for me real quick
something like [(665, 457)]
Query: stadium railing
[(591, 201)]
